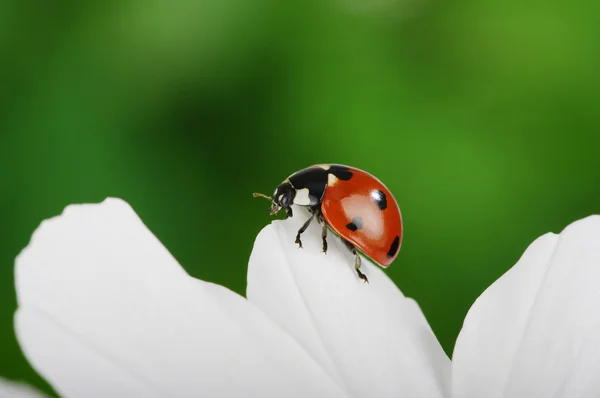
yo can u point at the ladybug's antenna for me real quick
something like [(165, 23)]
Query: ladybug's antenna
[(261, 195)]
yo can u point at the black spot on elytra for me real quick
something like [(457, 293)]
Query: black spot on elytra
[(394, 247), (380, 199), (341, 172), (356, 223)]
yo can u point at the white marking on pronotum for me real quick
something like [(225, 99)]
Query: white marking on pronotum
[(302, 198), (323, 166), (331, 180)]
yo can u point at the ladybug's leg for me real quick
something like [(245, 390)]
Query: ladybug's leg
[(357, 260), (324, 237), (323, 232), (288, 212), (302, 229)]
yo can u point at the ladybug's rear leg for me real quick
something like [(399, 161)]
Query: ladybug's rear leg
[(357, 261), (302, 229)]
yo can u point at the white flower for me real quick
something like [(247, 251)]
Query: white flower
[(106, 311), (536, 331)]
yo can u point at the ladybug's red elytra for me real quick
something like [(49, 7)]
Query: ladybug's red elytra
[(352, 203)]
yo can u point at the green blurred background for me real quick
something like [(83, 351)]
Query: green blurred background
[(481, 117)]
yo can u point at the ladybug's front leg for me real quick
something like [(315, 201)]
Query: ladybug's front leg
[(302, 229), (288, 212)]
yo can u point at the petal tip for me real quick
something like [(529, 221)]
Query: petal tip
[(108, 203), (592, 222), (72, 210), (71, 213)]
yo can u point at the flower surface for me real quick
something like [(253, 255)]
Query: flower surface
[(369, 338), (105, 310)]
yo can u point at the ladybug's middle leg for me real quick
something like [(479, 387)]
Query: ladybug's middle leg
[(317, 212), (357, 261), (302, 229), (324, 227)]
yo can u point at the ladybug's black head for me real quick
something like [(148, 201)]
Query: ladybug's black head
[(283, 198)]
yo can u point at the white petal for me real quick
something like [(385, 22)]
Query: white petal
[(535, 331), (106, 311), (13, 389), (371, 339)]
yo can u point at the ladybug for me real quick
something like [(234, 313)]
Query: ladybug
[(351, 202)]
